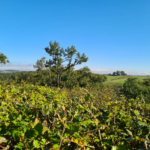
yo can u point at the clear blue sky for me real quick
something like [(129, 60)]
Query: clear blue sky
[(114, 34)]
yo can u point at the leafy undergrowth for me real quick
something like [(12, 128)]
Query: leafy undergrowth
[(35, 117)]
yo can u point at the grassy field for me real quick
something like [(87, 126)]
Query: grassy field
[(122, 79)]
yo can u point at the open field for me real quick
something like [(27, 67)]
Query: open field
[(122, 79)]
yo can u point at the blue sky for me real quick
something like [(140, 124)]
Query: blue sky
[(114, 34)]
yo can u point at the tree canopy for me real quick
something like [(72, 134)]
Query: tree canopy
[(40, 64), (119, 73), (59, 56), (3, 59)]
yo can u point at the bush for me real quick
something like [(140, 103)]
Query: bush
[(132, 88)]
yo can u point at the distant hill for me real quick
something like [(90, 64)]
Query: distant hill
[(9, 71)]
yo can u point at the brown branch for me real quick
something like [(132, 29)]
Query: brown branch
[(90, 146), (2, 147), (100, 137), (62, 136), (25, 143)]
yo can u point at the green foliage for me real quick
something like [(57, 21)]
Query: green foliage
[(37, 117), (88, 97), (146, 82), (40, 64), (83, 113), (3, 59), (119, 73), (59, 56), (132, 88)]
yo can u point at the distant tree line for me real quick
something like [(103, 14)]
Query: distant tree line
[(54, 73), (118, 73), (70, 79)]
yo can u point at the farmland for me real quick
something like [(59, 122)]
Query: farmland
[(122, 79)]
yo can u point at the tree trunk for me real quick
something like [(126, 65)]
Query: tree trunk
[(57, 72), (57, 80), (60, 79), (50, 74), (57, 76)]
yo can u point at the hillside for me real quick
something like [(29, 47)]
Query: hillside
[(122, 79)]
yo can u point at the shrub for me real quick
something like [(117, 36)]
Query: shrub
[(132, 88)]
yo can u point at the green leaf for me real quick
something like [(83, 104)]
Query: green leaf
[(86, 122), (111, 114), (76, 119), (136, 112), (55, 146), (19, 117), (114, 148), (43, 141), (39, 128), (16, 135), (129, 132), (73, 128), (59, 134), (10, 117), (35, 144), (75, 98), (30, 134), (88, 97), (20, 145), (120, 147)]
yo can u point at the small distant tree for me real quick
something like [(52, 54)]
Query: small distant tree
[(40, 65), (118, 73), (123, 73), (60, 56), (114, 74)]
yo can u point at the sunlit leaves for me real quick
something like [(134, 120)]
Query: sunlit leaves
[(3, 59), (77, 121), (35, 144)]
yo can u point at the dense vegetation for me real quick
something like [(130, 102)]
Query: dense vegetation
[(38, 117), (70, 79), (62, 108)]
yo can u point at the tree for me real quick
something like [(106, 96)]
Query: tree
[(123, 73), (83, 76), (132, 88), (3, 59), (60, 56), (40, 65), (118, 73), (114, 74), (49, 65)]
